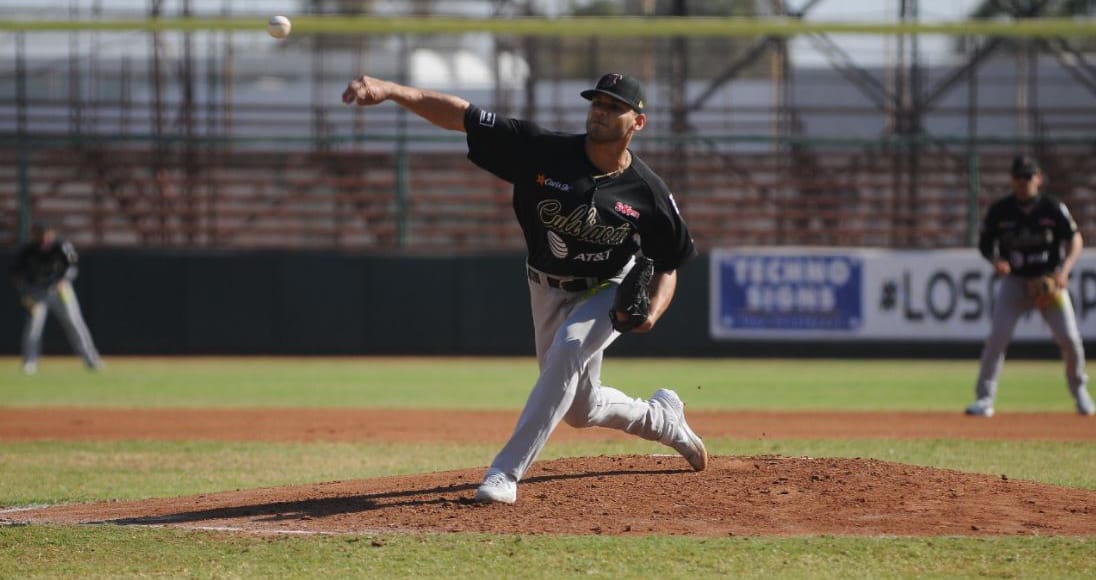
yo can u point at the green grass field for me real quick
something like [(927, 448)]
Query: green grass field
[(48, 472), (503, 383)]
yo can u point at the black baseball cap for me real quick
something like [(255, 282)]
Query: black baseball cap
[(1024, 166), (622, 88)]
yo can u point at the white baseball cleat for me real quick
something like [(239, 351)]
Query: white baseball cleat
[(29, 368), (679, 435), (497, 487), (980, 408), (1084, 403)]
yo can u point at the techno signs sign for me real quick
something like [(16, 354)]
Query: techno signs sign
[(787, 293), (838, 293)]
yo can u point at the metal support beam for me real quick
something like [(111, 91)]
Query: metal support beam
[(23, 145), (1073, 61), (679, 110), (948, 82), (738, 65), (860, 78), (751, 55)]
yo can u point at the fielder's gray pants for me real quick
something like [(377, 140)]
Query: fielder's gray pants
[(1011, 302), (572, 333), (61, 300)]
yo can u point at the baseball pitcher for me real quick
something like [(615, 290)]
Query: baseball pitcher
[(587, 206), (43, 273), (1032, 242)]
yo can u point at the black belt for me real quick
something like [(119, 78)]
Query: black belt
[(565, 284)]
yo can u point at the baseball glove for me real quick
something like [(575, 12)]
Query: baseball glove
[(1043, 291), (632, 297)]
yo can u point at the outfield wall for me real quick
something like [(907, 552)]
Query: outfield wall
[(157, 302)]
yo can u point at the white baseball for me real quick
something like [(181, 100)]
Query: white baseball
[(278, 27)]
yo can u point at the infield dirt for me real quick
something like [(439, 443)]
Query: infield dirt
[(762, 495)]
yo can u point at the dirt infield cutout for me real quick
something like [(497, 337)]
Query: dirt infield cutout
[(765, 495), (629, 495)]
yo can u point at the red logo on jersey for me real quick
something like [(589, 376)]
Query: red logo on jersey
[(625, 209), (545, 181)]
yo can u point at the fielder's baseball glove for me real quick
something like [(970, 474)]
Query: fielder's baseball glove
[(1043, 291), (632, 297)]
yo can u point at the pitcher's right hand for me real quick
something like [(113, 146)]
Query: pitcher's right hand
[(365, 91)]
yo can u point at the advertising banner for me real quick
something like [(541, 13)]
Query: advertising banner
[(856, 294)]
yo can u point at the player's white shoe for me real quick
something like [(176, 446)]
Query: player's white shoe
[(1084, 403), (679, 435), (980, 408), (29, 368), (497, 487)]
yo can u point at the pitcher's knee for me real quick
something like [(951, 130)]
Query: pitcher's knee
[(578, 418), (566, 349)]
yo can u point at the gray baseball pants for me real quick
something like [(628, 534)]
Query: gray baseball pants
[(572, 333), (1011, 302), (61, 300)]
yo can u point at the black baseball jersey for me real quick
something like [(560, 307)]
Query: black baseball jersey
[(574, 224), (38, 267), (1032, 240)]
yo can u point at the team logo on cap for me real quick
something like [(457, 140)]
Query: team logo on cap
[(610, 80)]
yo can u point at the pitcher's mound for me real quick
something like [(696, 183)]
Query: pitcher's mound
[(766, 495)]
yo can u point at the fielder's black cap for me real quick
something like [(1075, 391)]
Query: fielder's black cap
[(622, 88), (1024, 166)]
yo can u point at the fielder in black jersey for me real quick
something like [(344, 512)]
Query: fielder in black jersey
[(586, 205), (1033, 243), (43, 273)]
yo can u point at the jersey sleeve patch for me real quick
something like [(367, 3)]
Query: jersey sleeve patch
[(673, 203), (497, 144), (1069, 218)]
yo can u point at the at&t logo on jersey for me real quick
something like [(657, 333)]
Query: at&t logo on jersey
[(560, 250), (545, 181), (557, 245), (593, 256)]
